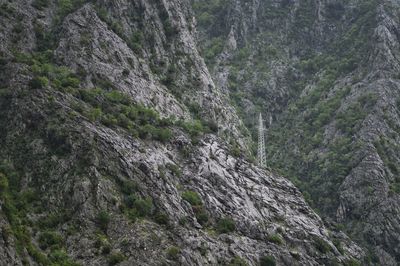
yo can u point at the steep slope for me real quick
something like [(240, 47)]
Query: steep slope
[(118, 148), (325, 73)]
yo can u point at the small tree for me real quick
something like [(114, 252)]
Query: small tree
[(103, 219)]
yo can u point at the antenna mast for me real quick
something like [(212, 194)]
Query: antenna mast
[(261, 157)]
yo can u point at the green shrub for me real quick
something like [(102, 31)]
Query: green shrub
[(322, 245), (201, 214), (170, 29), (130, 200), (70, 82), (338, 245), (116, 258), (183, 220), (103, 219), (136, 41), (192, 197), (393, 168), (38, 256), (39, 83), (237, 261), (235, 150), (161, 218), (116, 97), (60, 257), (267, 260), (89, 95), (225, 225), (176, 171), (173, 253), (50, 221), (3, 183), (163, 134), (132, 214), (49, 239), (143, 207), (65, 7), (129, 187), (94, 114), (40, 4), (211, 125), (352, 262), (275, 239), (106, 249), (194, 128), (214, 48)]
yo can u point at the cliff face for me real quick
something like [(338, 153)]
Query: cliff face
[(117, 147), (325, 73)]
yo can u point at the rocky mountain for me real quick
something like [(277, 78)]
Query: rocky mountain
[(123, 143), (325, 74)]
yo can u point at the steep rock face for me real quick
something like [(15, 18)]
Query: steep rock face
[(92, 176), (326, 73), (85, 180)]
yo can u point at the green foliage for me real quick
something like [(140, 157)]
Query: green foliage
[(176, 171), (161, 218), (194, 128), (45, 73), (170, 29), (173, 253), (208, 11), (103, 219), (237, 261), (322, 245), (40, 4), (183, 220), (225, 225), (136, 41), (372, 257), (50, 239), (16, 203), (60, 257), (197, 205), (102, 244), (143, 207), (116, 109), (275, 238), (116, 258), (136, 207), (51, 220), (39, 83), (7, 10), (94, 114), (214, 48), (3, 183), (235, 149), (267, 260), (129, 187), (192, 197), (385, 147), (338, 245), (201, 214), (65, 6), (352, 262), (348, 120), (152, 132)]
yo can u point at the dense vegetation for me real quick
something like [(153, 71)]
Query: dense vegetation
[(297, 144), (17, 203)]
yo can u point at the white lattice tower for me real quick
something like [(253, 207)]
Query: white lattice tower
[(261, 157)]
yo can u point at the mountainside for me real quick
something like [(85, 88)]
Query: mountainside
[(117, 147), (326, 76)]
